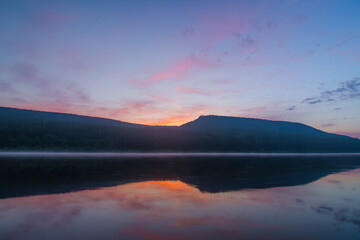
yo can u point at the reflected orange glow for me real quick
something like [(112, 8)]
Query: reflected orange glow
[(174, 185), (175, 210)]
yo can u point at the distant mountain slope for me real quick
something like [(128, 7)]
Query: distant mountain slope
[(213, 122), (34, 130), (21, 115)]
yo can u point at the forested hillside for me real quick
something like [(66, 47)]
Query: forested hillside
[(33, 130)]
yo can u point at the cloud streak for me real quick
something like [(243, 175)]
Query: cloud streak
[(54, 17), (347, 90), (199, 91), (328, 125), (293, 107), (179, 70), (6, 88), (48, 89)]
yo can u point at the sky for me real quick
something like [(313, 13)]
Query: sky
[(165, 62)]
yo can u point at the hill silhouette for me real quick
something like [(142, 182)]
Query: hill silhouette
[(212, 122), (35, 130), (20, 115)]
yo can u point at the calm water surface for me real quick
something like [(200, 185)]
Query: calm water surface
[(183, 198)]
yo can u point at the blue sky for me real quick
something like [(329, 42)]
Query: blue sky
[(167, 62)]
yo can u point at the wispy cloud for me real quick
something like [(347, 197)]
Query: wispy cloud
[(54, 17), (29, 73), (213, 28), (345, 40), (48, 89), (193, 91), (293, 107), (6, 87), (224, 81), (346, 91), (245, 41), (174, 72), (178, 71), (49, 22), (137, 107), (74, 59), (188, 33), (328, 125)]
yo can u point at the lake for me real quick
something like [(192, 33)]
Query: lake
[(179, 196)]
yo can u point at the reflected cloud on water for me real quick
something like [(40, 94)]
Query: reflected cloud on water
[(304, 200)]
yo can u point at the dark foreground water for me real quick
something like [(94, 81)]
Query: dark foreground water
[(179, 197)]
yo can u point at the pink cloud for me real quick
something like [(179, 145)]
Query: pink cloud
[(211, 30), (178, 70)]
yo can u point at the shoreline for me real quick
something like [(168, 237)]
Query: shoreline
[(163, 154)]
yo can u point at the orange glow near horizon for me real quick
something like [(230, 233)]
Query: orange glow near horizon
[(171, 121), (111, 114)]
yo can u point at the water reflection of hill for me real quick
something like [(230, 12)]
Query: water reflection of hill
[(32, 176)]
